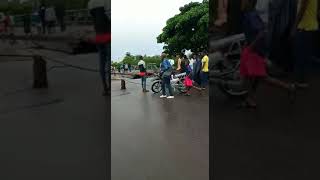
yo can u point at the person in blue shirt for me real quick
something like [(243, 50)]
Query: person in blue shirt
[(166, 71), (196, 69)]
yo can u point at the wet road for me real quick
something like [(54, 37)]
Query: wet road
[(278, 141), (157, 139), (59, 133)]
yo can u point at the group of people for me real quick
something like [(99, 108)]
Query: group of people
[(285, 31), (46, 18), (126, 67), (195, 67)]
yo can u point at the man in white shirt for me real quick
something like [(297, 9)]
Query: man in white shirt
[(143, 74), (50, 18)]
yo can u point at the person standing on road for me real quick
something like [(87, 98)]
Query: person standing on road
[(60, 12), (42, 15), (188, 81), (204, 70), (179, 56), (196, 70), (253, 56), (191, 61), (166, 72), (143, 74), (126, 67), (129, 67), (307, 26), (102, 26), (27, 24), (50, 18), (6, 22), (36, 22)]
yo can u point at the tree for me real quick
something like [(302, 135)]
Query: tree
[(134, 59), (187, 30)]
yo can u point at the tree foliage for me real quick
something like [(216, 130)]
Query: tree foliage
[(188, 29), (16, 7), (134, 59)]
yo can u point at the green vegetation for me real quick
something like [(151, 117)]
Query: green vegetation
[(17, 8), (134, 59), (188, 29)]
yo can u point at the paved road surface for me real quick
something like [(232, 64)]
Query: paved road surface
[(59, 133), (278, 141), (157, 139)]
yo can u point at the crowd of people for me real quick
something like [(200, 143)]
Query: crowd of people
[(124, 68), (44, 20), (195, 67), (284, 31)]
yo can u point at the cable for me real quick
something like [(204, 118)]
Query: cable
[(41, 104), (4, 94)]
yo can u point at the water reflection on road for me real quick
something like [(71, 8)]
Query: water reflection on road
[(159, 138)]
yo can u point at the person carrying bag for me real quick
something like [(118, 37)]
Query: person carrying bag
[(166, 72)]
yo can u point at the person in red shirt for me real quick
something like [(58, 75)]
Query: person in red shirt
[(102, 25), (6, 22)]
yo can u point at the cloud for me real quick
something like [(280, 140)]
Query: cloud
[(136, 24)]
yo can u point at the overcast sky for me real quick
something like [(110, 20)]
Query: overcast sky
[(137, 23)]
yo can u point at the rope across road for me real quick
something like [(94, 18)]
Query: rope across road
[(64, 65)]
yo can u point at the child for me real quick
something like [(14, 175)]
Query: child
[(253, 61), (187, 80)]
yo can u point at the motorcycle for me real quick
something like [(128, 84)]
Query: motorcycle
[(225, 66), (177, 83), (226, 75)]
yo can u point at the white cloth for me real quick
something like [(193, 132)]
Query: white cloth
[(141, 62), (50, 14), (171, 62), (262, 7), (191, 61)]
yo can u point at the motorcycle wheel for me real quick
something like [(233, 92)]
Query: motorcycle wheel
[(156, 87), (181, 87), (233, 93)]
